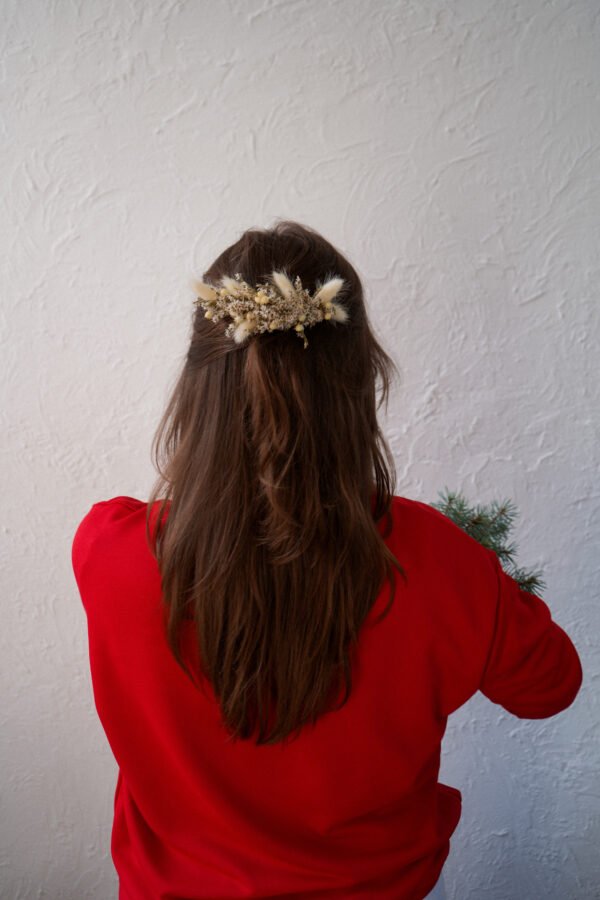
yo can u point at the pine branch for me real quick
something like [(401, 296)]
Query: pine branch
[(490, 525)]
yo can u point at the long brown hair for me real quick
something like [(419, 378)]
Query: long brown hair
[(275, 473)]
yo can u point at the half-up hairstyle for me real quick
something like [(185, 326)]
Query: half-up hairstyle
[(275, 474)]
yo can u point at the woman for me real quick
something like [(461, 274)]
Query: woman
[(274, 694)]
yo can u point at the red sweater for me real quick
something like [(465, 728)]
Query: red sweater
[(352, 808)]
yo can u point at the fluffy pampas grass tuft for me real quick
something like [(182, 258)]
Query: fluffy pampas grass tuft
[(231, 285), (339, 313), (241, 332), (283, 283), (329, 289), (203, 290)]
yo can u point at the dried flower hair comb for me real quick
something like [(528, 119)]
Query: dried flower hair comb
[(270, 307)]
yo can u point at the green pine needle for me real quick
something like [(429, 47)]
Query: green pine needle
[(490, 525)]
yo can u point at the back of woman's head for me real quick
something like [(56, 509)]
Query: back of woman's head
[(275, 473)]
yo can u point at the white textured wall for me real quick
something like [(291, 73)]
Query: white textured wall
[(452, 151)]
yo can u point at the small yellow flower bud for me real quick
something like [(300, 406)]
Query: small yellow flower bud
[(327, 315), (208, 314), (299, 327)]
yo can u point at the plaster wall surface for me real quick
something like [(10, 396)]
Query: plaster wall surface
[(452, 151)]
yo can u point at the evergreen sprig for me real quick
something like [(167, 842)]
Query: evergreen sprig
[(490, 526)]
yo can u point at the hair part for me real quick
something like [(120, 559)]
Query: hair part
[(275, 474)]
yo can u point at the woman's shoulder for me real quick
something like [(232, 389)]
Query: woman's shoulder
[(98, 519), (420, 511), (119, 502), (108, 510), (425, 512), (437, 530)]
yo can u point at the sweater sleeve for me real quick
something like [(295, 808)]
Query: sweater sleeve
[(90, 541), (82, 546), (532, 669)]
